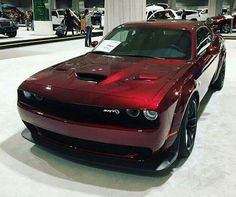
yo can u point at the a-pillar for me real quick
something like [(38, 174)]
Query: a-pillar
[(214, 7), (121, 11), (42, 17)]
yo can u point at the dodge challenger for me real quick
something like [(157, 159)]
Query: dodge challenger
[(132, 102)]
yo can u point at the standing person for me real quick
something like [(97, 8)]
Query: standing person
[(32, 20), (184, 15), (82, 25), (69, 22), (88, 23), (27, 20)]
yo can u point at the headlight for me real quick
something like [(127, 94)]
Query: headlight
[(38, 98), (133, 112), (27, 94), (150, 115)]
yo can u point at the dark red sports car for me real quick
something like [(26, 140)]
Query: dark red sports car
[(223, 23), (133, 101)]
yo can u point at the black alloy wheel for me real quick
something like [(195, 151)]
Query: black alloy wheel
[(188, 128)]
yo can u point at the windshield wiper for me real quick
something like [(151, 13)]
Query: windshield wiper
[(100, 52)]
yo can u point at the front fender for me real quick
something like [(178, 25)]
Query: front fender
[(187, 90)]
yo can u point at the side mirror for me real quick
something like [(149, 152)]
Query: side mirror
[(213, 50), (94, 43)]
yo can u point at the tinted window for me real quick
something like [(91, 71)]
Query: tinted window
[(61, 12), (204, 38), (190, 12), (54, 13), (145, 42)]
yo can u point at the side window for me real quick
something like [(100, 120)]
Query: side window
[(171, 14), (148, 15), (204, 39), (161, 15), (54, 13)]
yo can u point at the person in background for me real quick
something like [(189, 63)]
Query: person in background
[(184, 15), (88, 23), (32, 20), (69, 22), (27, 20), (82, 24)]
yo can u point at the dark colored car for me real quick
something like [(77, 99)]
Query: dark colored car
[(223, 23), (130, 103), (8, 27), (96, 18)]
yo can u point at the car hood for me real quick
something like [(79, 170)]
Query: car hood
[(110, 76)]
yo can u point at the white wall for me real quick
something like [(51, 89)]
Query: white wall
[(122, 11), (214, 7)]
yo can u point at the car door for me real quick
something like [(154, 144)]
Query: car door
[(55, 18), (206, 62)]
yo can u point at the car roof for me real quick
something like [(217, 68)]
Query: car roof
[(169, 24)]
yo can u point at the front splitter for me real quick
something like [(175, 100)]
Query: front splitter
[(147, 167)]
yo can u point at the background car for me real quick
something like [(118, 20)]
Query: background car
[(8, 27), (223, 23), (57, 17), (164, 14), (130, 103), (151, 9)]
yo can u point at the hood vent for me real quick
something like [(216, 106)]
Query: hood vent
[(146, 77), (90, 77)]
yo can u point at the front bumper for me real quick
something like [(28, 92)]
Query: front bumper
[(127, 149), (151, 166), (151, 139)]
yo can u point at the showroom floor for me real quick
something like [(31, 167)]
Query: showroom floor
[(28, 170)]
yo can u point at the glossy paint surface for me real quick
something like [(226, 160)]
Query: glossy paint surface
[(161, 85)]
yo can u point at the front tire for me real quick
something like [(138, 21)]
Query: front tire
[(12, 34), (188, 128)]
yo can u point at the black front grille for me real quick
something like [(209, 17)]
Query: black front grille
[(5, 24), (88, 114), (111, 150)]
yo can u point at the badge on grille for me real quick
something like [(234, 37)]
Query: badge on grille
[(112, 111)]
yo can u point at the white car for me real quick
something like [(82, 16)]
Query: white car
[(164, 14), (151, 9), (57, 17)]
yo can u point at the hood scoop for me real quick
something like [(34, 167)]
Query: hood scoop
[(91, 77)]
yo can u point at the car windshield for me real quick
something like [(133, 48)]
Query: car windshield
[(61, 12), (147, 42)]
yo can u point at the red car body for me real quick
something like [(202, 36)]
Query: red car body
[(81, 105), (223, 23)]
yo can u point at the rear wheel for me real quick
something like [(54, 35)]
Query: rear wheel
[(225, 28), (188, 129), (219, 83)]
